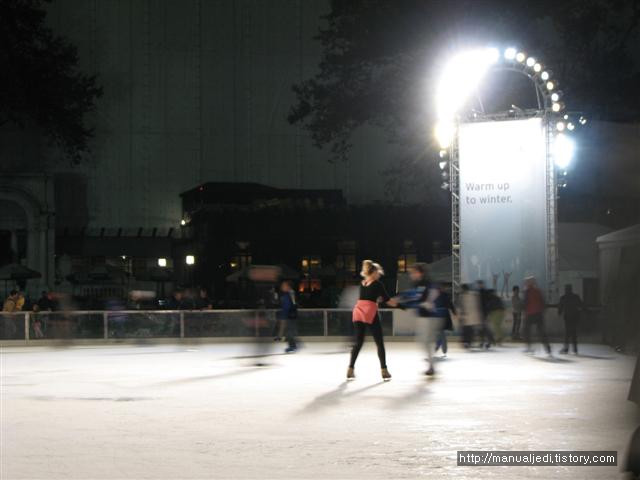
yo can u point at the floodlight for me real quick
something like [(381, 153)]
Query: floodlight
[(544, 76), (531, 62), (570, 126), (520, 56), (563, 149), (190, 259), (566, 117), (550, 86), (556, 107), (555, 96), (183, 222), (582, 120), (537, 67), (460, 77), (162, 262), (560, 126), (510, 53), (443, 153), (442, 165), (444, 132)]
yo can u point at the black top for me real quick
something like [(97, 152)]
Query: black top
[(374, 291), (570, 305)]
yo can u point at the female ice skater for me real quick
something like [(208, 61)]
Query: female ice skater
[(365, 313)]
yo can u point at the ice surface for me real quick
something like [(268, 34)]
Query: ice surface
[(152, 412)]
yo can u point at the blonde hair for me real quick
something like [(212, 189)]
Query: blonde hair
[(369, 267)]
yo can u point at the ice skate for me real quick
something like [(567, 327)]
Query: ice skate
[(350, 374), (386, 376)]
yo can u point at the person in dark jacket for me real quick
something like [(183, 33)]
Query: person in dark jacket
[(289, 314), (569, 307), (443, 302), (486, 335), (431, 309)]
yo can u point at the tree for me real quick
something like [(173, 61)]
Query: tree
[(41, 85), (380, 58)]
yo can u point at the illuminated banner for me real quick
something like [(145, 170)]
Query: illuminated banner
[(503, 215)]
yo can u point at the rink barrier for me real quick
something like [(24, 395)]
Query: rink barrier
[(113, 325), (314, 324)]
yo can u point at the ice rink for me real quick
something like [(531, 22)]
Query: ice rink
[(205, 411)]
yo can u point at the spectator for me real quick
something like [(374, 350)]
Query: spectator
[(176, 302), (569, 307), (46, 302), (11, 303), (203, 302)]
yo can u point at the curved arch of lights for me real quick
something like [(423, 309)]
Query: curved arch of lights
[(466, 70)]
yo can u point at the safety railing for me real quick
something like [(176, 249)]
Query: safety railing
[(156, 324)]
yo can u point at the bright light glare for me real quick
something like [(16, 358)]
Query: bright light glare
[(520, 57), (444, 132), (162, 262), (183, 222), (510, 53), (555, 107), (531, 62), (555, 97), (560, 126), (570, 126), (443, 153), (550, 86), (460, 77), (190, 259), (544, 76), (537, 67), (442, 165), (582, 120), (563, 150)]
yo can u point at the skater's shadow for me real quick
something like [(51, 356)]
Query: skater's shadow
[(202, 378), (595, 357), (334, 397), (552, 359), (411, 398)]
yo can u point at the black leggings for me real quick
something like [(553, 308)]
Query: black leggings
[(376, 332)]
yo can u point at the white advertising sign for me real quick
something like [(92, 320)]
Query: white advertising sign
[(503, 219)]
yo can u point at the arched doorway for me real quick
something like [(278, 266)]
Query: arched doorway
[(13, 232)]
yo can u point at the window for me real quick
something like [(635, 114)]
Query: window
[(311, 264), (408, 257), (243, 258), (346, 262), (346, 258), (308, 285)]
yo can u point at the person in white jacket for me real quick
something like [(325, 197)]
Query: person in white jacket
[(469, 313)]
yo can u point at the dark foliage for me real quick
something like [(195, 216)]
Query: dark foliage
[(380, 60), (40, 84)]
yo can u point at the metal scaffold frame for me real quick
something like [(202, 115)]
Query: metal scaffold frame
[(551, 266), (552, 212), (454, 182)]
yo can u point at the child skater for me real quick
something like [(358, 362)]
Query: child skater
[(365, 313)]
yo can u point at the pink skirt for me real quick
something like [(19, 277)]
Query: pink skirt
[(365, 311)]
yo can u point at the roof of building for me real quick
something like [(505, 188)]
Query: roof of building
[(227, 193), (626, 236)]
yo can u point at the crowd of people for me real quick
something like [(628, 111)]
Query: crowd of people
[(479, 312)]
